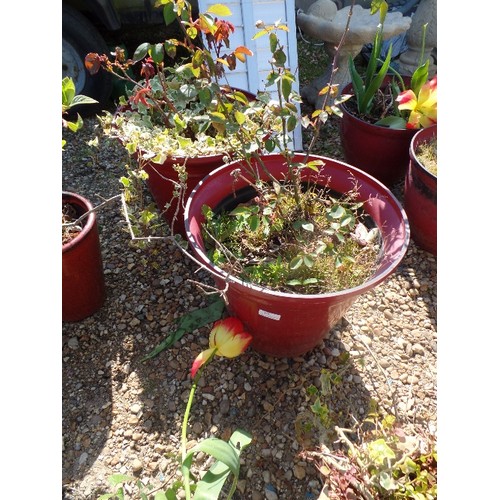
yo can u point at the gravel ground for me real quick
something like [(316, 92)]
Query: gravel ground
[(121, 415)]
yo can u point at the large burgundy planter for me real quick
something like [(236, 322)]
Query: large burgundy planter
[(420, 195), (285, 324), (83, 289), (380, 151)]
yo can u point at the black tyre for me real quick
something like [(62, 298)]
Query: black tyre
[(79, 37)]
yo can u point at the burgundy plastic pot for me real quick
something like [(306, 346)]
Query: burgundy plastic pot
[(161, 187), (162, 176), (380, 151), (285, 324), (83, 289), (420, 195)]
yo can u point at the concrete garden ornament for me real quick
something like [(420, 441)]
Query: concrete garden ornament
[(324, 21)]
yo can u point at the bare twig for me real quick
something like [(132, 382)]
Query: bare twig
[(86, 214)]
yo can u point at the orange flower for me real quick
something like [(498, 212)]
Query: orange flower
[(140, 96), (227, 339)]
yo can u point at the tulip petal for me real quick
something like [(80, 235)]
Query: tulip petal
[(228, 337), (423, 107), (235, 345), (231, 325), (200, 360), (407, 100)]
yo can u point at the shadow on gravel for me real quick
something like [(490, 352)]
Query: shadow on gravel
[(268, 397), (87, 396)]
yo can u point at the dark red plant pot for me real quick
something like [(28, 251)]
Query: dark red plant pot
[(420, 195), (162, 178), (285, 324), (83, 288), (379, 151), (160, 182)]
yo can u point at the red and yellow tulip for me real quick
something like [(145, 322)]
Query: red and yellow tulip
[(227, 339), (423, 108)]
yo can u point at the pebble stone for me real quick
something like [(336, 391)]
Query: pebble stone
[(123, 414)]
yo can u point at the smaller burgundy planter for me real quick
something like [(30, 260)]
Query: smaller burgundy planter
[(161, 178), (420, 196), (286, 324), (161, 187), (83, 288), (379, 151)]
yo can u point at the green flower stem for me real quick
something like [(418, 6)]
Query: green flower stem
[(194, 385), (185, 473)]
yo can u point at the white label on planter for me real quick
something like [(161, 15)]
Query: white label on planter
[(269, 315)]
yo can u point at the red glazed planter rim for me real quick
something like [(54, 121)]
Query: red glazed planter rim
[(376, 279), (421, 136), (88, 223)]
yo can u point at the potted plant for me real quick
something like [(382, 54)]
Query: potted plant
[(375, 116), (293, 238), (420, 191), (83, 290), (181, 118)]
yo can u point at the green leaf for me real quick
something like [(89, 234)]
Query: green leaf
[(270, 144), (347, 220), (117, 479), (357, 82), (294, 282), (310, 281), (170, 48), (241, 211), (68, 91), (376, 83), (395, 122), (170, 494), (141, 52), (375, 6), (273, 42), (218, 117), (220, 450), (82, 99), (379, 451), (157, 53), (337, 213), (260, 34), (254, 222), (240, 117), (387, 482), (212, 482), (189, 322), (308, 226), (291, 123), (419, 77), (279, 58), (219, 10), (314, 164), (308, 261), (296, 262), (75, 126), (286, 86), (162, 495), (169, 14)]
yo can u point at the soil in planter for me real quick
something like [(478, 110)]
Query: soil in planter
[(426, 154), (383, 105), (69, 214), (336, 246)]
